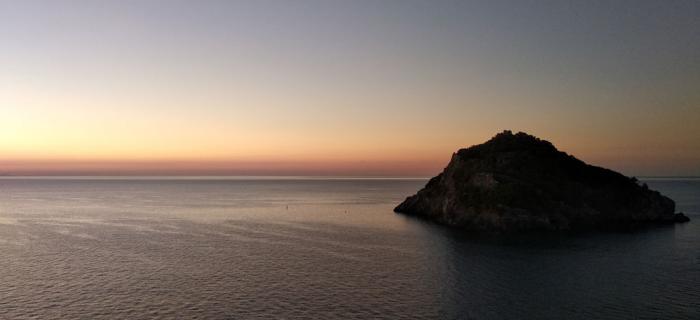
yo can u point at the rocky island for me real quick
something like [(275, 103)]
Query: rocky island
[(518, 182)]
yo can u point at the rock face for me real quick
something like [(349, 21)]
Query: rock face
[(517, 182)]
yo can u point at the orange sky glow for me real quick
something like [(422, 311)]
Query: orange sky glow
[(389, 89)]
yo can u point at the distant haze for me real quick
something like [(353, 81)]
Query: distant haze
[(342, 87)]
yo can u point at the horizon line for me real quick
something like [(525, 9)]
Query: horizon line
[(217, 177), (264, 177)]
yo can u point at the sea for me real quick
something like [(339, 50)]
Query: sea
[(318, 248)]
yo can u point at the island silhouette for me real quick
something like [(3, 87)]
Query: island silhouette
[(518, 182)]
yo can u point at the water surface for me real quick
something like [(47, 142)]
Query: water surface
[(312, 248)]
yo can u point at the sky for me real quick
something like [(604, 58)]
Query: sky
[(376, 88)]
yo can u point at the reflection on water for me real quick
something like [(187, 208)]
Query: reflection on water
[(291, 248)]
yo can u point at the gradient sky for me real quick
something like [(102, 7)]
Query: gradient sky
[(343, 87)]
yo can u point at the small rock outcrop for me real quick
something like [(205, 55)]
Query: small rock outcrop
[(517, 182)]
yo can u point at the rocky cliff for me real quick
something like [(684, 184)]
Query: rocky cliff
[(517, 182)]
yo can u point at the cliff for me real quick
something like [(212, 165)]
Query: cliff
[(517, 182)]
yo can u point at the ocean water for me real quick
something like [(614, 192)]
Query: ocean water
[(165, 248)]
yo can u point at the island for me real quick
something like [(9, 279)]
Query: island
[(518, 182)]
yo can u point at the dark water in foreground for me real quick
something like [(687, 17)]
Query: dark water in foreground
[(240, 249)]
